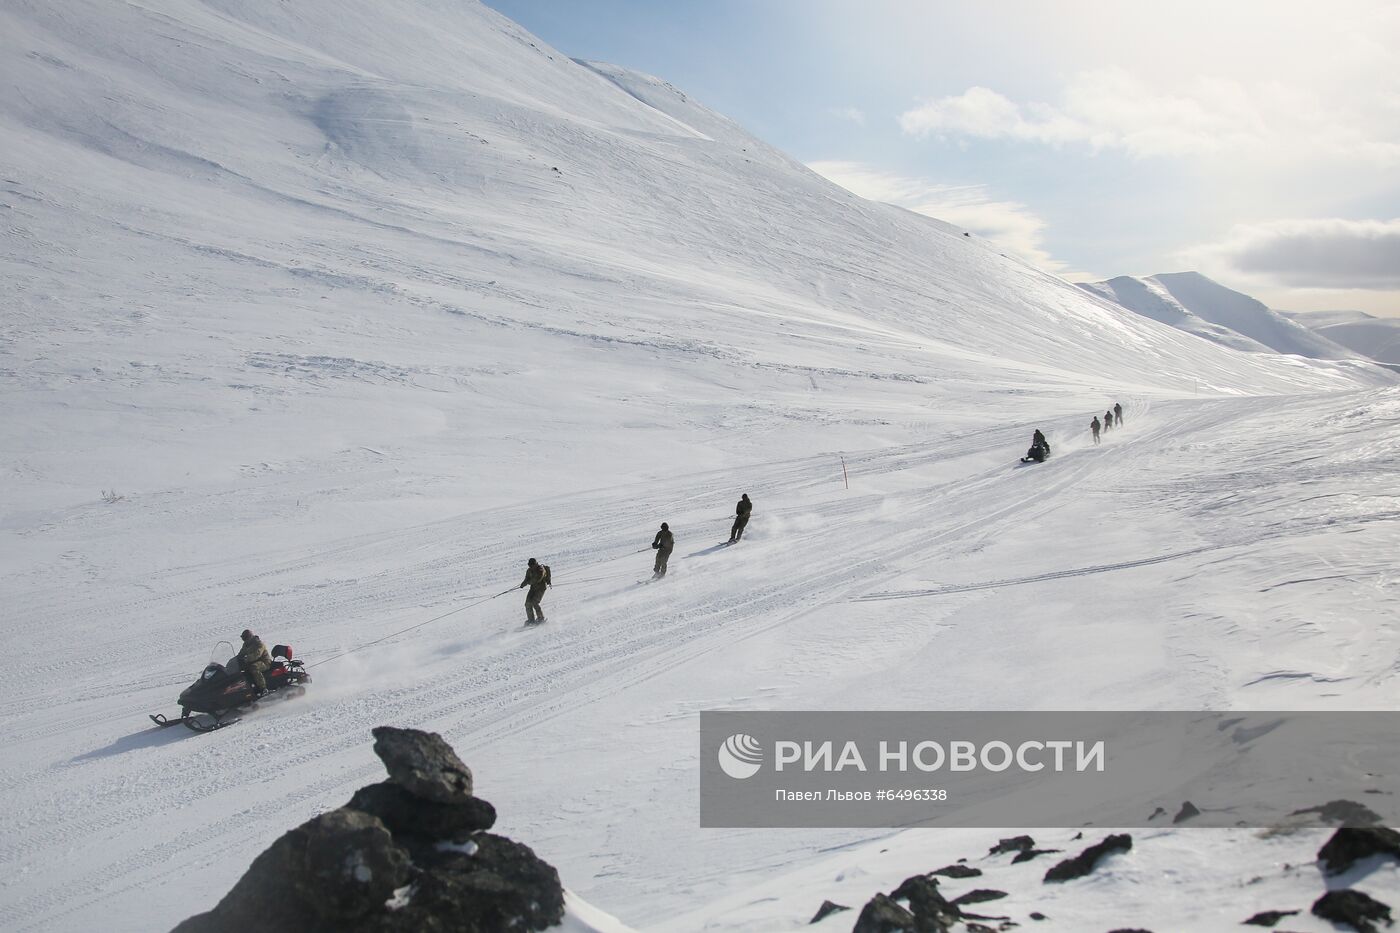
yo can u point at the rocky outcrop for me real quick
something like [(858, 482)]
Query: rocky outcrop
[(826, 910), (423, 764), (1354, 908), (927, 910), (1025, 855), (1269, 918), (882, 915), (1188, 811), (1014, 844), (409, 854), (1343, 812), (978, 896), (1086, 861), (1349, 846)]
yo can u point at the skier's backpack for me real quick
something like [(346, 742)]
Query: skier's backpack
[(546, 581)]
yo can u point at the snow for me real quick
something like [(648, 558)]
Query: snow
[(356, 306), (1375, 337), (1173, 879), (1191, 302), (1151, 300)]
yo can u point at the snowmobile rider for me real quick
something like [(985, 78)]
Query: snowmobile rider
[(741, 518), (663, 544), (536, 578), (1038, 440), (254, 661)]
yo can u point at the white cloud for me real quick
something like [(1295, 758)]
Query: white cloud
[(1013, 226), (853, 114), (1317, 253), (1110, 108)]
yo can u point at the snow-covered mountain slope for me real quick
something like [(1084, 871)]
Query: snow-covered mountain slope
[(355, 306), (1316, 319), (277, 213), (1193, 303), (1377, 338), (1151, 300)]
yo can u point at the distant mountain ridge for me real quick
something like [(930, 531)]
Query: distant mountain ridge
[(1375, 337), (1192, 302)]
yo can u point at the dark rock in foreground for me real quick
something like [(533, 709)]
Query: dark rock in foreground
[(1027, 854), (501, 885), (423, 764), (1086, 861), (882, 915), (1353, 908), (826, 910), (1349, 846), (404, 856), (329, 872), (978, 896), (930, 907), (1187, 811), (928, 911), (1014, 844), (407, 815), (1343, 812), (1268, 918)]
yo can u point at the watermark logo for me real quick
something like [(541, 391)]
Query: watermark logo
[(1026, 769), (741, 756)]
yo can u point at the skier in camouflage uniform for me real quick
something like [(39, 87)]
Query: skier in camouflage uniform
[(537, 579), (663, 544), (741, 518)]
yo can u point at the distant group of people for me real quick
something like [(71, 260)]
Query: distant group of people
[(1040, 447), (537, 575), (1111, 419)]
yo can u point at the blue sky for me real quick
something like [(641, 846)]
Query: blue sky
[(1258, 142)]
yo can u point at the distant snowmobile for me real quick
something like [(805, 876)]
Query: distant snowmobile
[(1040, 449), (221, 691)]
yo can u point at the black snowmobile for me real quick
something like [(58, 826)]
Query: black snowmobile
[(222, 691), (1039, 451)]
